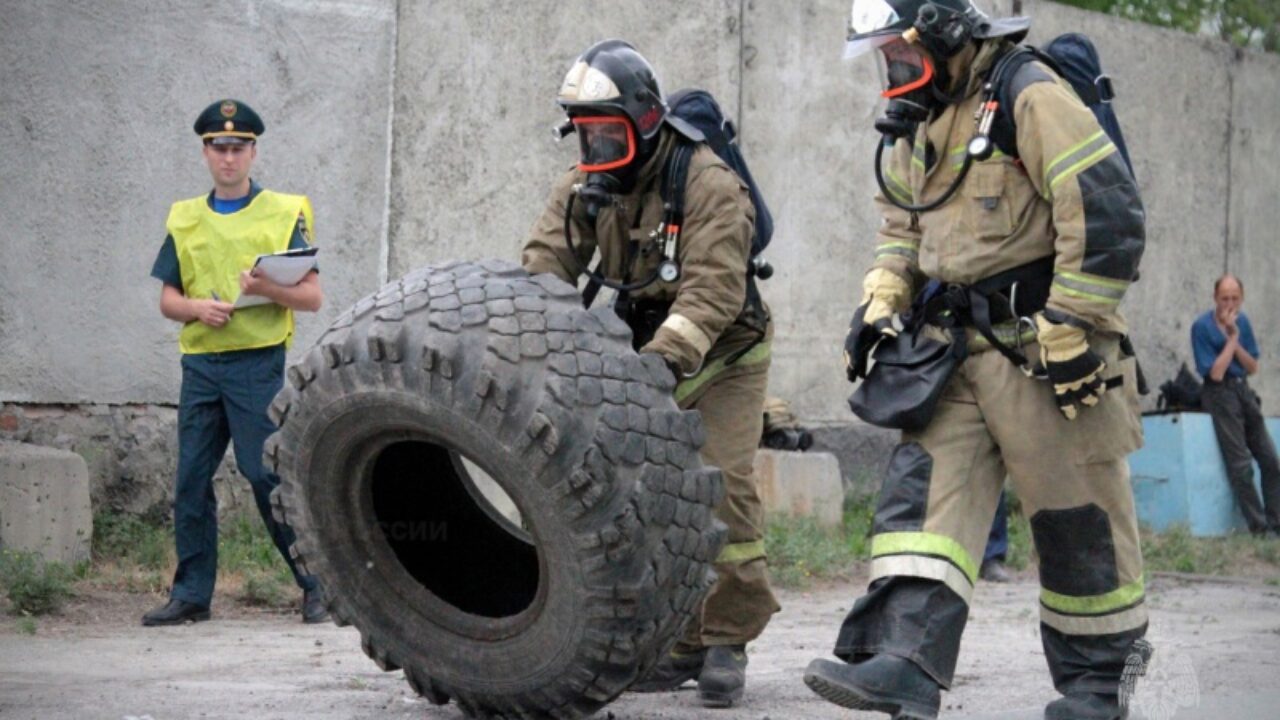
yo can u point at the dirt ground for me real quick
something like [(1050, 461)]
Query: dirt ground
[(1218, 646)]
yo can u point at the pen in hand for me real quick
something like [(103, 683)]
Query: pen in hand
[(214, 293)]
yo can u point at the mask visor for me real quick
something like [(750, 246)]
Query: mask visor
[(869, 27), (903, 68), (606, 143), (863, 44)]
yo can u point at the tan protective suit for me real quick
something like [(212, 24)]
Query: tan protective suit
[(1068, 196), (706, 327)]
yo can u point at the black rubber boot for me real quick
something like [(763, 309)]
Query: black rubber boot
[(314, 608), (1103, 672), (723, 677), (884, 683), (1085, 706), (671, 672), (176, 612)]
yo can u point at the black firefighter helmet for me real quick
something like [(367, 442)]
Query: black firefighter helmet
[(612, 97), (944, 26)]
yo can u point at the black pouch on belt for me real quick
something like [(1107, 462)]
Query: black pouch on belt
[(902, 389)]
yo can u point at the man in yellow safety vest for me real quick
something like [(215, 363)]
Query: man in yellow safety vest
[(232, 358)]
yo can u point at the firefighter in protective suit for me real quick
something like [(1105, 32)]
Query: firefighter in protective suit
[(1024, 260), (694, 305)]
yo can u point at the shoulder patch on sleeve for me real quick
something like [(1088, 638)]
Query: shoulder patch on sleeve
[(1029, 74)]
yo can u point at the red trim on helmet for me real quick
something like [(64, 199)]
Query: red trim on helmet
[(631, 142), (928, 75)]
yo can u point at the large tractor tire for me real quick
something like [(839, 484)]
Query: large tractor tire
[(467, 369)]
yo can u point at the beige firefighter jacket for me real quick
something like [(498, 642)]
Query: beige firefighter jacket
[(1068, 195), (708, 318)]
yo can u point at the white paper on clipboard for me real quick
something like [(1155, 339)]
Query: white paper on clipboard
[(286, 268)]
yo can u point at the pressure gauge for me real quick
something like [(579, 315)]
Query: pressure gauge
[(980, 147), (669, 271)]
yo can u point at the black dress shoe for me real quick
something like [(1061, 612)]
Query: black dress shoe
[(314, 608), (994, 570), (176, 612)]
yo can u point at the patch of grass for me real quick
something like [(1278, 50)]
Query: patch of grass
[(245, 546), (263, 589), (137, 555), (247, 553), (131, 542), (27, 626), (33, 586), (1021, 546), (800, 551), (1177, 550)]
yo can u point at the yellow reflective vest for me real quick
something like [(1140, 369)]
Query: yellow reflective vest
[(212, 251)]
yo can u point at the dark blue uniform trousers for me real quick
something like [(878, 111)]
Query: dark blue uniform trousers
[(224, 398), (998, 538)]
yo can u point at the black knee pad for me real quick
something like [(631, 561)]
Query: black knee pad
[(1077, 553)]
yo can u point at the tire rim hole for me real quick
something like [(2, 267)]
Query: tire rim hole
[(458, 535)]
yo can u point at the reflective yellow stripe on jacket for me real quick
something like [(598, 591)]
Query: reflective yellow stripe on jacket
[(759, 353), (212, 251)]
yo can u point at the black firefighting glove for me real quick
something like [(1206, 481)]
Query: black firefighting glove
[(1074, 370), (884, 296), (858, 344)]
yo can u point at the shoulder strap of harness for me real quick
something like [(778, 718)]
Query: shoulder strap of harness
[(1003, 132)]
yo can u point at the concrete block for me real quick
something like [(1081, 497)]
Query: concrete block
[(44, 502), (863, 452), (801, 484)]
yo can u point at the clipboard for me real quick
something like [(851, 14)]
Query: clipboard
[(282, 268)]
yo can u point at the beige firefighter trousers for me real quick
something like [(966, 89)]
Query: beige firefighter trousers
[(731, 401), (1071, 476)]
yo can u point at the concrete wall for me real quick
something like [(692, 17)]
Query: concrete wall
[(474, 155), (421, 132), (96, 142)]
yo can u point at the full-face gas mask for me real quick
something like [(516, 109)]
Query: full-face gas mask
[(912, 41), (609, 155)]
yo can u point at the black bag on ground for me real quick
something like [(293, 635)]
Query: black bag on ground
[(1180, 393), (902, 389)]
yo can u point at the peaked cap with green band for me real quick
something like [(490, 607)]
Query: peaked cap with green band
[(229, 122)]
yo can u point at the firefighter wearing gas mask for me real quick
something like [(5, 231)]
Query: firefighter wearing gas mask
[(687, 304), (1028, 257)]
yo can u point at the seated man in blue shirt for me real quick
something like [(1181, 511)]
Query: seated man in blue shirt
[(1226, 354)]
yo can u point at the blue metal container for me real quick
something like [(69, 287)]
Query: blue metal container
[(1179, 478)]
